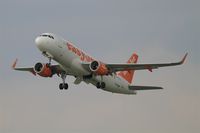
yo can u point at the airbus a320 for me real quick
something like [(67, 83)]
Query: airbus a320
[(72, 61)]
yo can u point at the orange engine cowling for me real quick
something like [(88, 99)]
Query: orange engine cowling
[(43, 70), (98, 68)]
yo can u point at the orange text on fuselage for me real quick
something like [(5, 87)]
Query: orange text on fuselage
[(81, 54)]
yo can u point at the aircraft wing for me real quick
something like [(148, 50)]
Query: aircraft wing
[(28, 69), (56, 68), (144, 88), (125, 67)]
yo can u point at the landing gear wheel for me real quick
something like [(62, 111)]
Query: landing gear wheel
[(66, 86), (103, 85), (98, 85), (61, 86)]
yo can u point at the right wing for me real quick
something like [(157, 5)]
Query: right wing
[(126, 67), (144, 88), (129, 66)]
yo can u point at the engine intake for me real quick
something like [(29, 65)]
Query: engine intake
[(98, 68), (43, 70)]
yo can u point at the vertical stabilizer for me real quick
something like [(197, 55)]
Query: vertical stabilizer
[(128, 75)]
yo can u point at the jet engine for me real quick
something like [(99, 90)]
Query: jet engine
[(43, 70), (98, 68)]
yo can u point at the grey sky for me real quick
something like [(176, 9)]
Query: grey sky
[(110, 30)]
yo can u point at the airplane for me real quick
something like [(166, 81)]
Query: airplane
[(72, 61)]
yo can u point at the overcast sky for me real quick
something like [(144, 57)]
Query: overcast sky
[(110, 30)]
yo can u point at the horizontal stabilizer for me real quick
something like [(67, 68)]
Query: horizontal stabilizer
[(144, 88)]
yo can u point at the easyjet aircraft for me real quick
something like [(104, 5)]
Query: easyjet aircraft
[(116, 78)]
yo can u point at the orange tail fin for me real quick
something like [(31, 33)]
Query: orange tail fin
[(128, 75)]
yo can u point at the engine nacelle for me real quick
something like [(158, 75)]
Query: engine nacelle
[(43, 70), (98, 68)]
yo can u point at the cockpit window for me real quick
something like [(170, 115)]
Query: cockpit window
[(50, 36)]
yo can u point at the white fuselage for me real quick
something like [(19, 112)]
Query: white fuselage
[(71, 59)]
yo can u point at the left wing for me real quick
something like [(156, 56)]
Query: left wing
[(28, 69), (57, 69), (125, 67)]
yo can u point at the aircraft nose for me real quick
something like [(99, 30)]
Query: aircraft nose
[(39, 42)]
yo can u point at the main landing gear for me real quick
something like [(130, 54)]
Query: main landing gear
[(63, 85), (63, 74), (101, 84)]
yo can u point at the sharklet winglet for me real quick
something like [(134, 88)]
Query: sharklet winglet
[(14, 64)]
